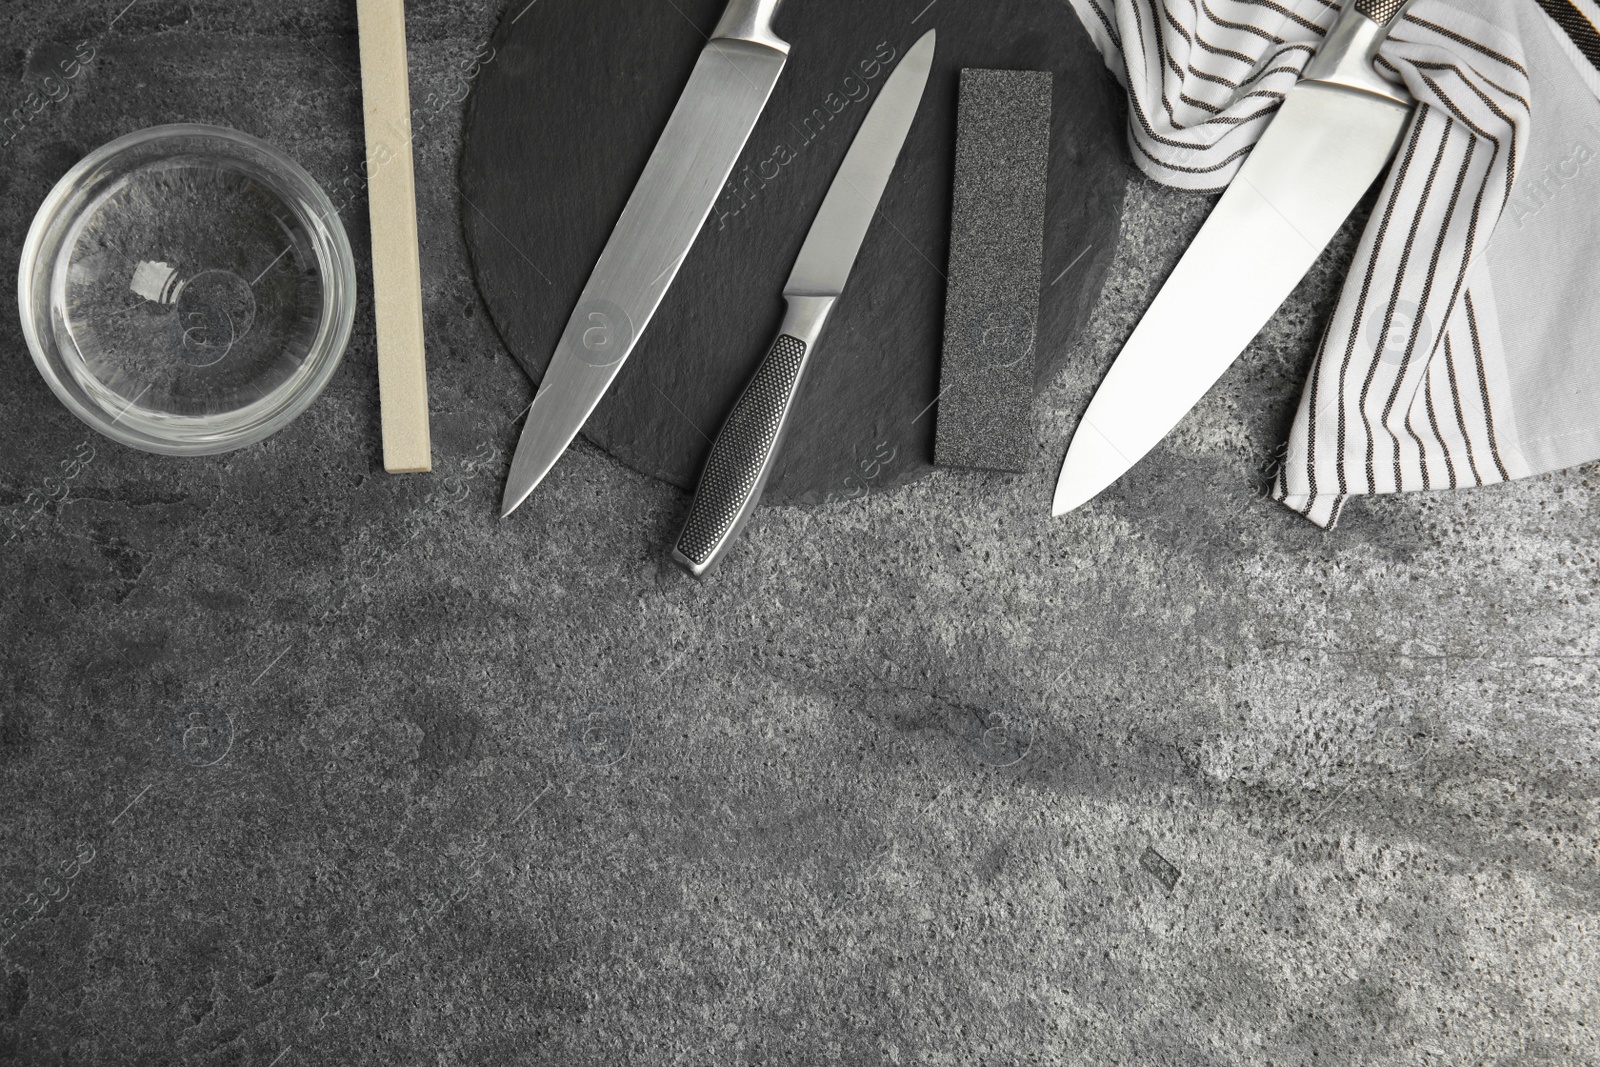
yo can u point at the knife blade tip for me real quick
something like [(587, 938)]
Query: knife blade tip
[(1093, 462), (1063, 504), (534, 459), (513, 499), (1070, 496)]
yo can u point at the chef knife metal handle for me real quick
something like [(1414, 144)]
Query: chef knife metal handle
[(751, 20), (744, 451), (1383, 12), (1350, 47)]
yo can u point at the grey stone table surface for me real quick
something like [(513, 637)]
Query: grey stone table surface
[(301, 763)]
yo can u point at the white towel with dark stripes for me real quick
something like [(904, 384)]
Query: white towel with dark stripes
[(1465, 346)]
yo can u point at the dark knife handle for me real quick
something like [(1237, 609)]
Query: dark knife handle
[(745, 449), (1382, 12)]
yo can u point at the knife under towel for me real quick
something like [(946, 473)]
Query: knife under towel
[(705, 135), (1335, 132)]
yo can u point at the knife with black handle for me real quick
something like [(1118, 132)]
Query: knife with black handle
[(744, 451)]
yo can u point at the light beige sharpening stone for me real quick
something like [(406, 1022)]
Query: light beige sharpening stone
[(396, 271)]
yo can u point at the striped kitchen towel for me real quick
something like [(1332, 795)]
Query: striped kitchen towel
[(1462, 350)]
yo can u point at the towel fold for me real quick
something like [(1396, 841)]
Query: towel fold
[(1463, 349)]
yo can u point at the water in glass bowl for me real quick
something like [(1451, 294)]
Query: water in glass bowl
[(191, 290)]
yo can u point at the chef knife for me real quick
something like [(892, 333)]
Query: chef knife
[(743, 453), (713, 118), (1336, 130)]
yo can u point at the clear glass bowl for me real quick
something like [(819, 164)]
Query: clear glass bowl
[(187, 290)]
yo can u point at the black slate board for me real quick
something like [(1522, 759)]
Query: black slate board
[(567, 110)]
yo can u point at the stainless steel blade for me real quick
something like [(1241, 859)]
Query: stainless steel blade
[(846, 213), (693, 159), (1305, 175), (747, 447)]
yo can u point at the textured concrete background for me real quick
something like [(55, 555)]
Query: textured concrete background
[(301, 763)]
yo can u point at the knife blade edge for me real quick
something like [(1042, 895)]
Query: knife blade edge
[(1235, 274), (692, 160), (851, 202)]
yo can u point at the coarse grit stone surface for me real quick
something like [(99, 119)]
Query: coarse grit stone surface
[(985, 411), (301, 763)]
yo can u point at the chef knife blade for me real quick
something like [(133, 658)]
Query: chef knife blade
[(726, 93), (743, 453), (1336, 130)]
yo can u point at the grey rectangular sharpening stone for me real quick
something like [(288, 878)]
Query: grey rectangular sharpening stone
[(985, 417)]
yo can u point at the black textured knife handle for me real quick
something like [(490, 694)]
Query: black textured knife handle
[(742, 457), (1382, 12)]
